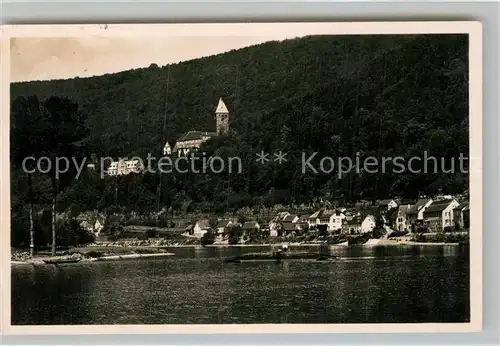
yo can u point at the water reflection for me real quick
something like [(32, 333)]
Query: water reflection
[(371, 284)]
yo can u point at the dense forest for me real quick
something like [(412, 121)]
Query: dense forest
[(381, 96)]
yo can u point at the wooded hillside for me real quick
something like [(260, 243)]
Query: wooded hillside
[(335, 95)]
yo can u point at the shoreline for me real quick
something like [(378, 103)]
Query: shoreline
[(116, 257), (40, 261)]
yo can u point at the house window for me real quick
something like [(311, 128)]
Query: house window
[(400, 219)]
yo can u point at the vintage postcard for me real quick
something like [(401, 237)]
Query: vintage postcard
[(274, 177)]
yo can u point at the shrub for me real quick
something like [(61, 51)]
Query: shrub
[(377, 232), (94, 254), (208, 238), (70, 233), (397, 234), (143, 236), (151, 233)]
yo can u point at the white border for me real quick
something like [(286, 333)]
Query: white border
[(474, 29)]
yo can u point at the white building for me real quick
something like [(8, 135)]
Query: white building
[(439, 215), (402, 222), (368, 224), (415, 214), (124, 167)]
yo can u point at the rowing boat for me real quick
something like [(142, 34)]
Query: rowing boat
[(61, 261)]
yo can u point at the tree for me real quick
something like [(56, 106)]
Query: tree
[(212, 223), (234, 233), (208, 238), (25, 142), (58, 129), (407, 94)]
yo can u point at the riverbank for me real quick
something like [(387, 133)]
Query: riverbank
[(85, 255)]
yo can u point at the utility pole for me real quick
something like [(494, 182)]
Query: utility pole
[(158, 192)]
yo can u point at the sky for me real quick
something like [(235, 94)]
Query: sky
[(63, 58)]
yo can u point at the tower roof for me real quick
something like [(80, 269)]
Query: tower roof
[(221, 107)]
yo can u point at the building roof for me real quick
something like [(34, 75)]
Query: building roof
[(438, 206), (303, 218), (289, 218), (326, 214), (250, 225), (385, 202), (414, 209), (223, 222), (315, 215), (281, 215), (203, 223), (195, 135), (462, 206), (221, 107)]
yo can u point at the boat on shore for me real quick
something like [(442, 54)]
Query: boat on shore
[(134, 256), (61, 260), (345, 243)]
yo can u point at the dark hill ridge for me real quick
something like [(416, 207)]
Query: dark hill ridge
[(254, 80), (338, 95)]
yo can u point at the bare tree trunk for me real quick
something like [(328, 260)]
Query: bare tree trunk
[(54, 195), (32, 227)]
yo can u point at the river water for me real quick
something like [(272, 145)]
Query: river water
[(383, 284)]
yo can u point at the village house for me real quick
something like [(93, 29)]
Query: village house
[(439, 215), (350, 214), (324, 218), (303, 222), (387, 204), (250, 226), (358, 224), (313, 219), (336, 220), (331, 218), (415, 214), (192, 140), (402, 223), (289, 228), (291, 218), (466, 213), (351, 225), (391, 217), (368, 224), (289, 224), (200, 228), (275, 224), (458, 215), (92, 222), (222, 225)]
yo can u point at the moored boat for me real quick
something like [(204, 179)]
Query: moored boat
[(61, 261), (280, 255), (345, 243)]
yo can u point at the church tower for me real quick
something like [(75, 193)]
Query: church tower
[(222, 118)]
